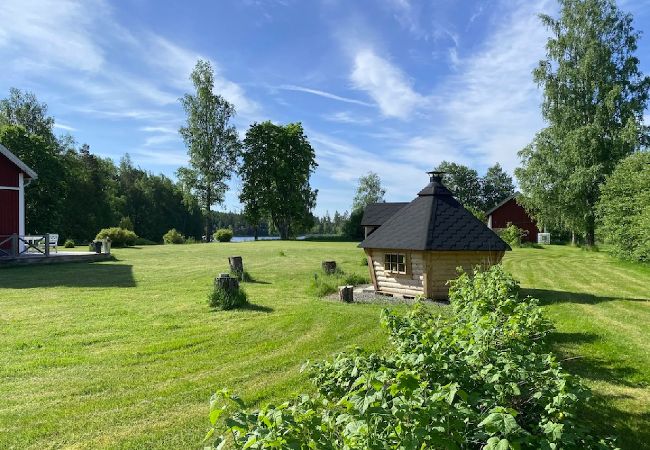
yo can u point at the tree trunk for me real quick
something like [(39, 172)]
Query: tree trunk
[(573, 238), (208, 218), (590, 232), (256, 231)]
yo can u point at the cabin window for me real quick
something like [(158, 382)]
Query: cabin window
[(395, 262)]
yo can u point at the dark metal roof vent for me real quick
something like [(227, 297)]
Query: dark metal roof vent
[(435, 186)]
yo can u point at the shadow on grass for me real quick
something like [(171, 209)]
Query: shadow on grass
[(632, 429), (258, 308), (71, 275), (548, 297)]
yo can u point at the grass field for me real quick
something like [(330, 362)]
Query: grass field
[(126, 354)]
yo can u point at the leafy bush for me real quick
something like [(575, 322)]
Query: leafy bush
[(173, 237), (223, 235), (478, 378), (191, 240), (119, 236), (364, 260), (69, 243), (324, 284), (513, 235), (624, 208), (223, 299)]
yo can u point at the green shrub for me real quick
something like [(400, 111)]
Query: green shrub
[(69, 243), (364, 260), (624, 208), (323, 284), (513, 235), (119, 236), (223, 235), (223, 299), (173, 237), (191, 240), (478, 378), (143, 241)]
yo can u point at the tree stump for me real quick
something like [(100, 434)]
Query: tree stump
[(226, 282), (346, 294), (236, 265), (329, 267)]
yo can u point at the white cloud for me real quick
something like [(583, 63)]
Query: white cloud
[(489, 109), (111, 71), (388, 86), (60, 126), (347, 117), (320, 93), (52, 32)]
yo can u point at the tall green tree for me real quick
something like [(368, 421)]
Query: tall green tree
[(211, 140), (496, 186), (594, 99), (368, 191), (277, 162), (624, 208), (24, 109), (463, 182)]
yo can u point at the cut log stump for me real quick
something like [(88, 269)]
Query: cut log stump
[(226, 282), (329, 267), (346, 294), (236, 265)]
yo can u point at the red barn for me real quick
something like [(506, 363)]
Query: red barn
[(14, 176), (509, 211)]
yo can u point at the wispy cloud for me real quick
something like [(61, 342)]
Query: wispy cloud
[(60, 126), (347, 117), (289, 87), (386, 84), (489, 109)]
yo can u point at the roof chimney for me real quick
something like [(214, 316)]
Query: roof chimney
[(436, 175)]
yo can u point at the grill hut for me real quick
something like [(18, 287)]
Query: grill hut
[(417, 250)]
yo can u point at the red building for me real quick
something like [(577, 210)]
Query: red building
[(14, 176), (509, 211)]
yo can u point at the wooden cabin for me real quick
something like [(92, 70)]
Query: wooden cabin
[(417, 249), (510, 211)]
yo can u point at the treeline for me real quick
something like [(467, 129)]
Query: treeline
[(77, 193)]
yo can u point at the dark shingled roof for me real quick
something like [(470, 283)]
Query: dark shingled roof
[(435, 220), (376, 214)]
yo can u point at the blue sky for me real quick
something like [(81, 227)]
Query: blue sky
[(392, 86)]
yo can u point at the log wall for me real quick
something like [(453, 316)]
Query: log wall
[(427, 272)]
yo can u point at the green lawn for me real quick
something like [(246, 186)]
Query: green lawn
[(126, 354)]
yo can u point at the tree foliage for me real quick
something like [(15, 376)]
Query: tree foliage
[(368, 191), (277, 162), (23, 108), (478, 378), (496, 186), (594, 99), (211, 140), (624, 208), (463, 182), (478, 194)]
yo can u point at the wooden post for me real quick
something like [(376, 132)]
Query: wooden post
[(226, 282), (14, 245), (236, 265), (329, 267), (346, 294), (47, 245)]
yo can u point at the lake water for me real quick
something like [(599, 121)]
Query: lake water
[(261, 238)]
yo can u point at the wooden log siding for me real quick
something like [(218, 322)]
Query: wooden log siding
[(434, 267), (409, 284)]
